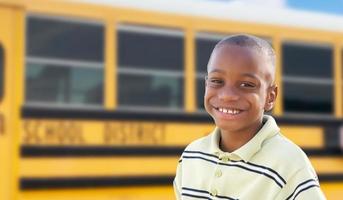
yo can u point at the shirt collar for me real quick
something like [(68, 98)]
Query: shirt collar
[(245, 152)]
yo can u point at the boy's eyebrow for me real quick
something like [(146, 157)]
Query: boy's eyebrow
[(217, 70), (250, 75)]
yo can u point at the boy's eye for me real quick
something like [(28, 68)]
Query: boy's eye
[(247, 85), (215, 82)]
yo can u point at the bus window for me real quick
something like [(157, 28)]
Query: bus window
[(151, 67), (307, 78), (2, 72), (64, 61), (205, 43)]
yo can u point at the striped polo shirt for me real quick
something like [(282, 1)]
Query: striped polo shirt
[(269, 166)]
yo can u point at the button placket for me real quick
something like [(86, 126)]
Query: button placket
[(214, 192), (218, 173)]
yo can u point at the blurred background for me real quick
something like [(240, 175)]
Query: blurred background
[(98, 98)]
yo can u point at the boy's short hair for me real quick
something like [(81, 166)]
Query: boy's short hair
[(244, 40)]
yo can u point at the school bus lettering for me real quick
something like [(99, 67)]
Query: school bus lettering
[(31, 132), (159, 131), (112, 133), (63, 132), (2, 124), (133, 133), (52, 132)]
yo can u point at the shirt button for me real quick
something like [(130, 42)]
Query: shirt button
[(214, 192), (218, 173), (225, 159)]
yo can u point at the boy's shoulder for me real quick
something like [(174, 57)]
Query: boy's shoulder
[(286, 152)]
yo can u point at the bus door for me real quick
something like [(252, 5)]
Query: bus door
[(8, 144)]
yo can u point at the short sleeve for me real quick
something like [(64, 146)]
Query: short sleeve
[(303, 185), (177, 180)]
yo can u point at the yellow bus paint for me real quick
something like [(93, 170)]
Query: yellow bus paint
[(337, 74), (190, 88), (130, 166), (110, 99), (278, 108), (92, 167), (120, 193)]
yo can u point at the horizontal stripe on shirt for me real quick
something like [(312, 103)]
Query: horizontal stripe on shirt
[(259, 169), (303, 187), (201, 194)]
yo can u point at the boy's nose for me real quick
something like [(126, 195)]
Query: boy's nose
[(228, 94)]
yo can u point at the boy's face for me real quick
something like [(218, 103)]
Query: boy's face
[(238, 88)]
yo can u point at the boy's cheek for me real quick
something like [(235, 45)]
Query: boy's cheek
[(207, 94)]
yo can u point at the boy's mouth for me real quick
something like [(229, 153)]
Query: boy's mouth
[(231, 111)]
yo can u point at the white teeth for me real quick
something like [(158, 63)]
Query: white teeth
[(229, 111)]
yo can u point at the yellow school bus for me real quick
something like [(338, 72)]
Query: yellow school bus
[(98, 99)]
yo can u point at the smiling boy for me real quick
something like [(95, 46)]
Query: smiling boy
[(245, 157)]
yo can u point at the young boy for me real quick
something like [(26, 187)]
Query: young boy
[(245, 157)]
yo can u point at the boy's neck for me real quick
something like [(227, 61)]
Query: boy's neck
[(231, 141)]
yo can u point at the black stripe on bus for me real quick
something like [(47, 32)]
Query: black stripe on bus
[(105, 151), (99, 151), (91, 182), (61, 113), (329, 178), (332, 136), (75, 113), (327, 152)]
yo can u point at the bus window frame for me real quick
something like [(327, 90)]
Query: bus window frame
[(150, 29), (307, 80), (69, 63)]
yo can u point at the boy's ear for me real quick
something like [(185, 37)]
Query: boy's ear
[(271, 97)]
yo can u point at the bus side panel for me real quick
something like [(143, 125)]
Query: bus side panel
[(8, 143)]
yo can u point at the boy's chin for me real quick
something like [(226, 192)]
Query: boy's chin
[(229, 127)]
